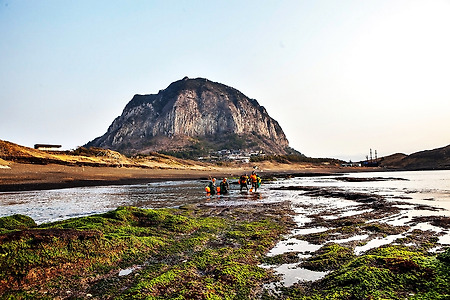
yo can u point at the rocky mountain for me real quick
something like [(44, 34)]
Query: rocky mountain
[(197, 116), (436, 159)]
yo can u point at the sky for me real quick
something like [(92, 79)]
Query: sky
[(340, 77)]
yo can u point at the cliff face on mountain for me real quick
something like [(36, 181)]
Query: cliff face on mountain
[(193, 114)]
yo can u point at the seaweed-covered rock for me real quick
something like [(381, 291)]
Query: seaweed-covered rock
[(445, 256), (16, 222), (329, 257)]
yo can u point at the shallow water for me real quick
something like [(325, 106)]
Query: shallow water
[(418, 187), (424, 193), (429, 189), (52, 205)]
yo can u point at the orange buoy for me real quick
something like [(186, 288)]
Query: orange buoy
[(218, 189)]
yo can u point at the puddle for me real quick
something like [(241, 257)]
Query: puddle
[(445, 239), (301, 219), (303, 231), (377, 242), (427, 226), (293, 245), (293, 274), (126, 272), (350, 213)]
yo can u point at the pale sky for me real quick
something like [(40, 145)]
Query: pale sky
[(340, 77)]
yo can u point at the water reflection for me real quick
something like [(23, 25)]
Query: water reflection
[(52, 205)]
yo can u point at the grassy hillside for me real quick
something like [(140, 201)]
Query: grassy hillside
[(95, 157), (435, 159)]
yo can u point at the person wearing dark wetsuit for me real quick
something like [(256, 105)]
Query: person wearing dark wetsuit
[(224, 186), (212, 186)]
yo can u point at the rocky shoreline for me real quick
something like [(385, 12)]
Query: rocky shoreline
[(219, 249)]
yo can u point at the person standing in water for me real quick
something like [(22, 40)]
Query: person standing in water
[(243, 182), (224, 186), (254, 181), (212, 186)]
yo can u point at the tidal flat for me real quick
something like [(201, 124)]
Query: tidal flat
[(320, 242)]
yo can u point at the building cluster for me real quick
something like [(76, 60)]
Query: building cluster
[(351, 164), (232, 155)]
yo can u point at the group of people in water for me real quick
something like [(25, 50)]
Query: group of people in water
[(244, 181)]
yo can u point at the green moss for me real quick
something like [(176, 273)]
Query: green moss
[(445, 256), (391, 272), (329, 257), (16, 222), (190, 253), (383, 228), (181, 254)]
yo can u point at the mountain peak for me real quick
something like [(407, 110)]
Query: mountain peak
[(193, 113)]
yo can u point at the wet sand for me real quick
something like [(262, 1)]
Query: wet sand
[(22, 177)]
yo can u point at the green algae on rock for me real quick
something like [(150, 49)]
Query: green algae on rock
[(208, 252), (15, 222), (185, 253)]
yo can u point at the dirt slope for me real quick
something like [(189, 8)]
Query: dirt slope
[(96, 157)]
